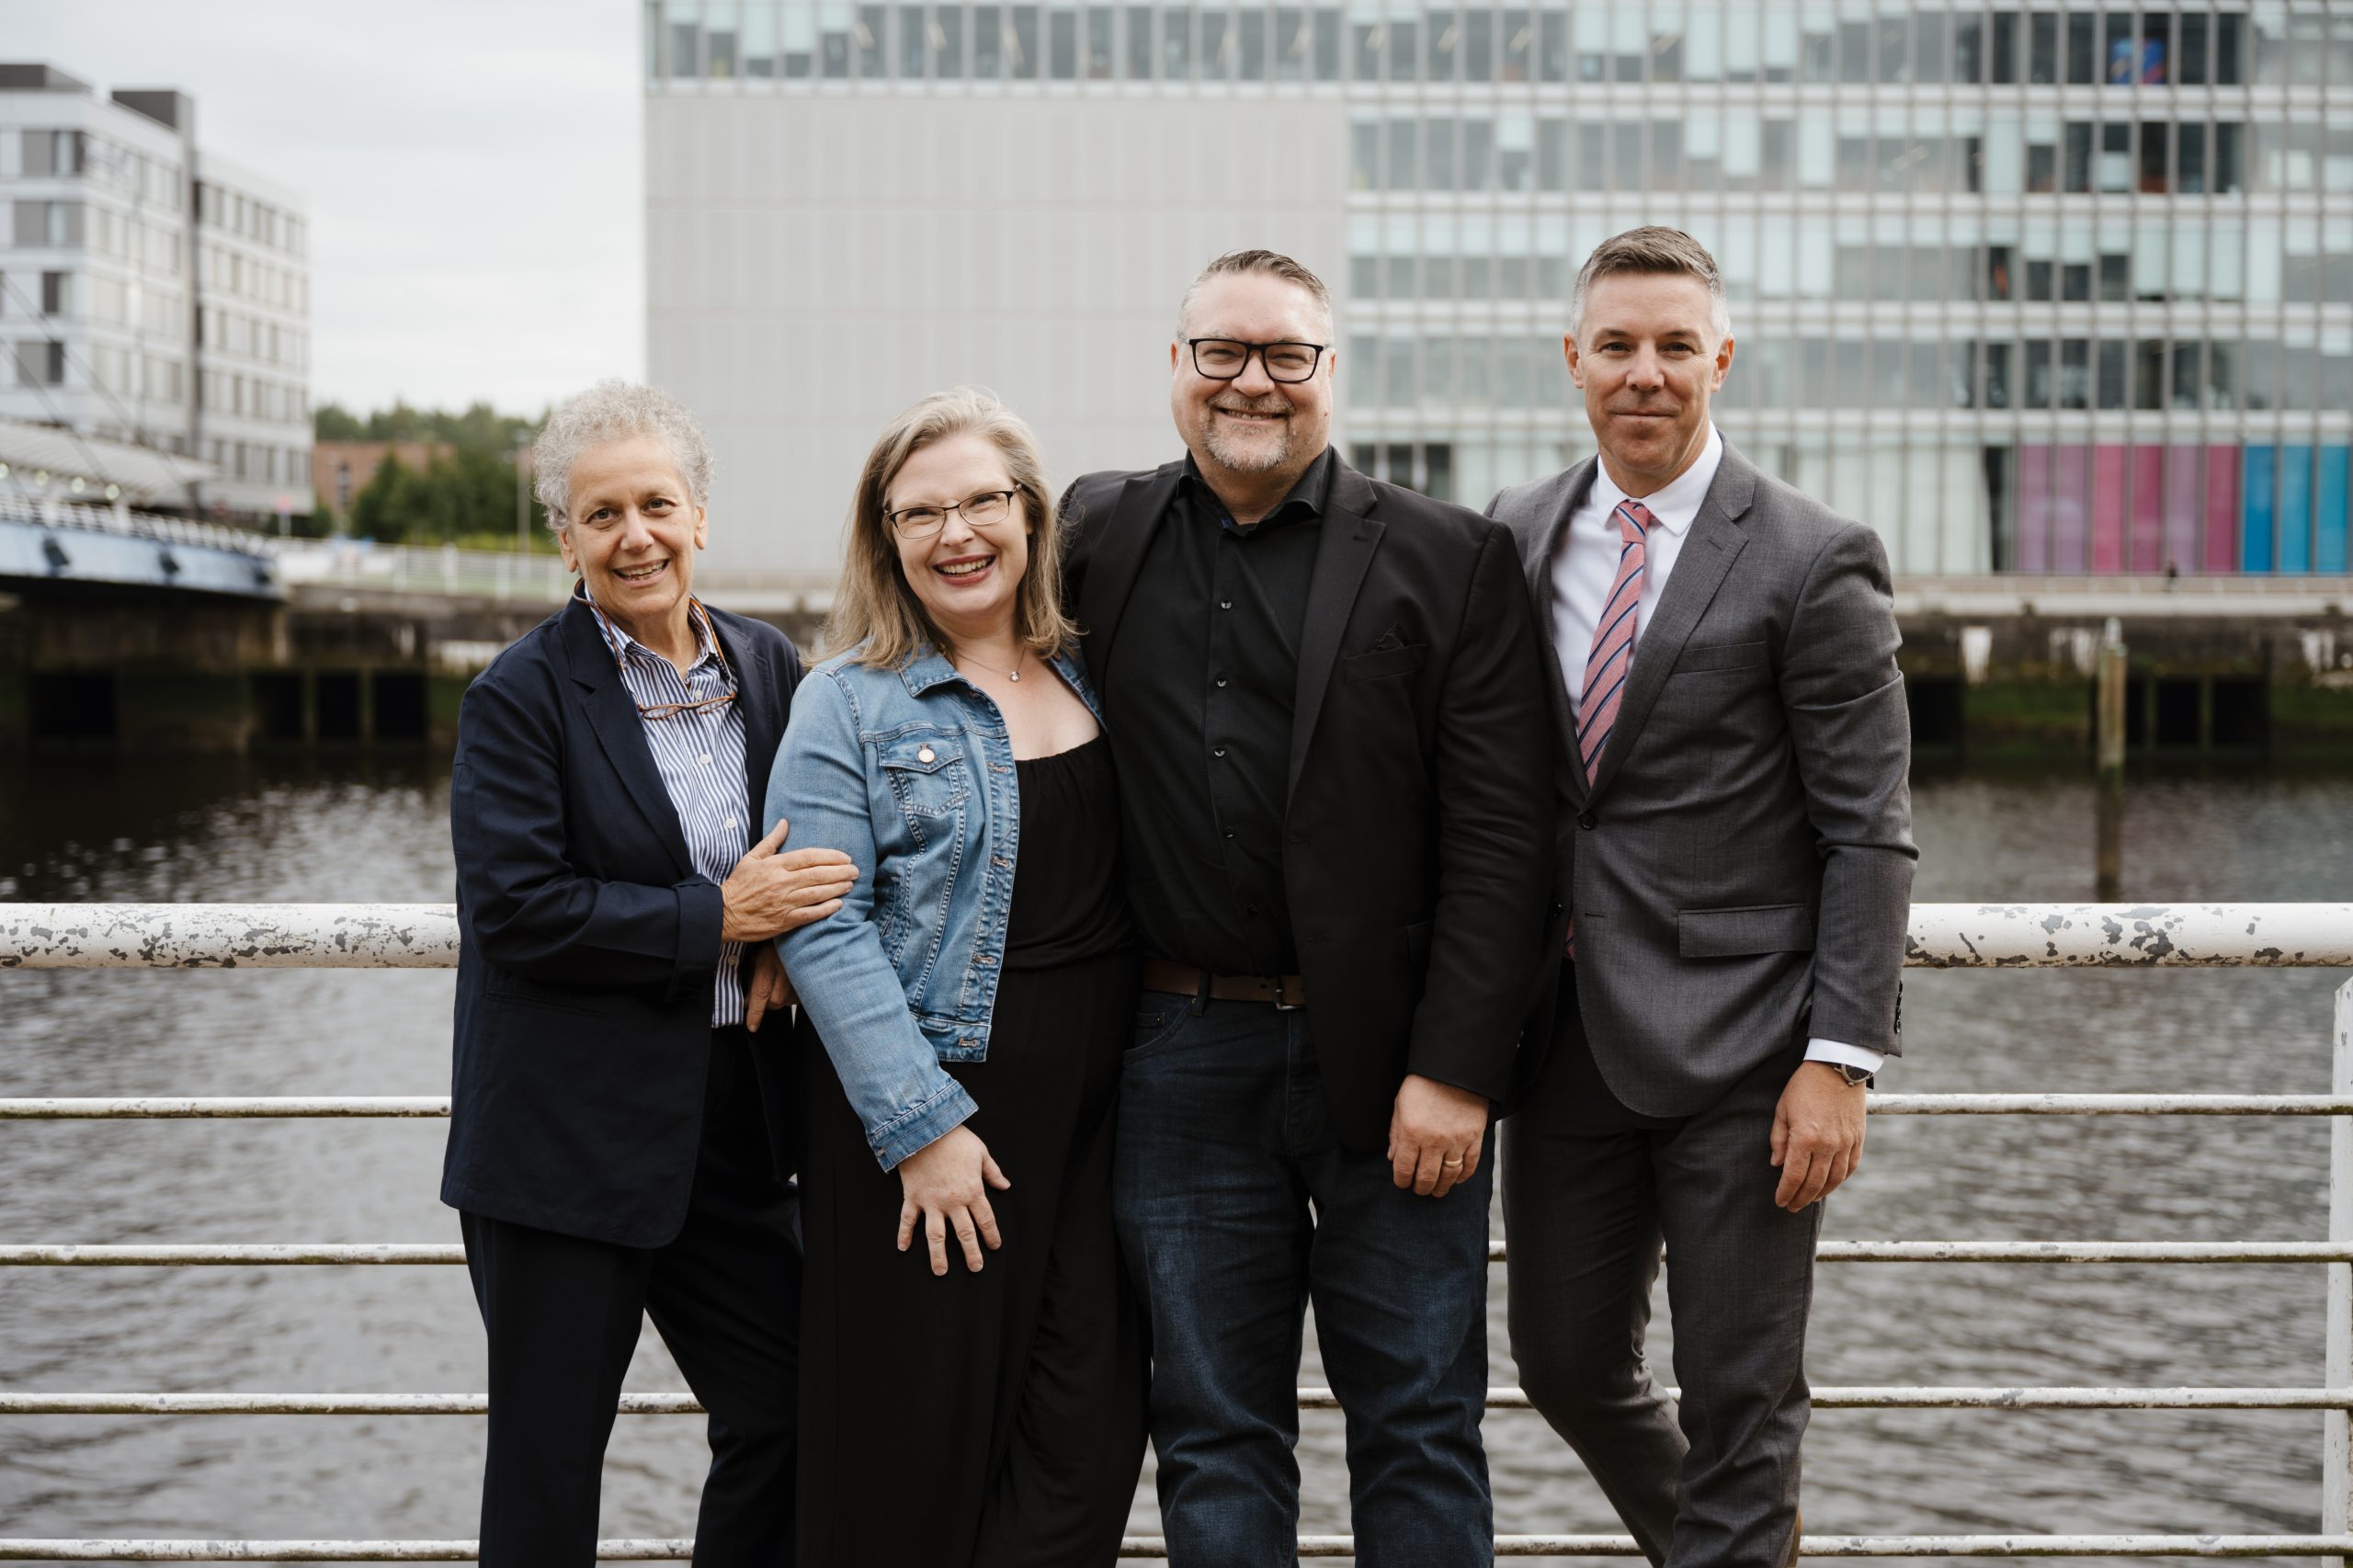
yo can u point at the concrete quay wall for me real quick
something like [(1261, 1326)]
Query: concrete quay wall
[(1999, 669)]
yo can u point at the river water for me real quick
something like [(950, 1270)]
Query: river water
[(305, 830)]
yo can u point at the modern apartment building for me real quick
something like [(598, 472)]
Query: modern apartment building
[(2043, 288), (150, 291)]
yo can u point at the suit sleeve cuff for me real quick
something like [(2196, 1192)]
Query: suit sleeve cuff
[(702, 915), (1839, 1053)]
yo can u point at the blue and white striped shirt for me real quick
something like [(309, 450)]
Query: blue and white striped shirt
[(700, 756)]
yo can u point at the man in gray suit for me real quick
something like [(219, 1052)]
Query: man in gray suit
[(1736, 860)]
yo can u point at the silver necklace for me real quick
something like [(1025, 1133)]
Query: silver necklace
[(1014, 673)]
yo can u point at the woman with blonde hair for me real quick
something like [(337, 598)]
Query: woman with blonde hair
[(973, 1368)]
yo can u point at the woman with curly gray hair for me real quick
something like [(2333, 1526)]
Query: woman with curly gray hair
[(614, 1135)]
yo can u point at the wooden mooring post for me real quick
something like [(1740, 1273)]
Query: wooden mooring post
[(2110, 717)]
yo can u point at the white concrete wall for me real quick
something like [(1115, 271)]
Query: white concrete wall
[(815, 264)]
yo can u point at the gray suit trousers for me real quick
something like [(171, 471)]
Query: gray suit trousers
[(1591, 1192)]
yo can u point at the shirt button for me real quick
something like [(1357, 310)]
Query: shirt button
[(1220, 683), (1217, 751), (730, 823), (705, 760), (1225, 604), (1229, 833)]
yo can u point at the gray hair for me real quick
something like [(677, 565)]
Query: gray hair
[(1266, 263), (615, 410), (1653, 249)]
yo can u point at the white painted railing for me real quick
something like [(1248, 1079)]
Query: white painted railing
[(1941, 935)]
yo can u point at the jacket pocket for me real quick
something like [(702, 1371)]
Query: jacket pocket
[(1383, 663), (1721, 656), (926, 773), (1734, 933)]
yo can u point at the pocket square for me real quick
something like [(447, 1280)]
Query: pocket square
[(1390, 640)]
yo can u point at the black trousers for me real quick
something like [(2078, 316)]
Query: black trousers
[(562, 1314), (1592, 1191)]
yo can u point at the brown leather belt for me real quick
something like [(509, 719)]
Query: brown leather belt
[(1287, 992)]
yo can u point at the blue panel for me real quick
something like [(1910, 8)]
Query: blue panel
[(2254, 530), (2295, 518), (2335, 501)]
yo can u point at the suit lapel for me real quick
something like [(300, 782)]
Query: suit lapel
[(1714, 542), (1546, 547), (613, 714), (761, 699), (1119, 557), (1343, 554)]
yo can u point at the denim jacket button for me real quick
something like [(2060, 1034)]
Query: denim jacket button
[(926, 755)]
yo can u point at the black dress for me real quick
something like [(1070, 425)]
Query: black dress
[(993, 1419)]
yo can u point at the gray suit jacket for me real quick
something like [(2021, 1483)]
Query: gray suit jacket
[(1741, 865)]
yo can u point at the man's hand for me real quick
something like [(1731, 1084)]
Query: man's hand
[(1817, 1135), (1435, 1135), (767, 991), (767, 894)]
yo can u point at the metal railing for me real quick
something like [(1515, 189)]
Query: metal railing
[(510, 576), (157, 525), (1941, 935)]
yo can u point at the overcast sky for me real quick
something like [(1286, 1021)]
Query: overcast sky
[(473, 170)]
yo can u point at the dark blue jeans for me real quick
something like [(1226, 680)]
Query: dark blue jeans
[(1238, 1206)]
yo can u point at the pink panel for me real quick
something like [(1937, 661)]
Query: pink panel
[(2108, 508), (2147, 552), (2223, 508), (2185, 502), (2034, 509), (2071, 507)]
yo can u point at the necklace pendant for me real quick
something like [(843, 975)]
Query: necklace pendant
[(1013, 675)]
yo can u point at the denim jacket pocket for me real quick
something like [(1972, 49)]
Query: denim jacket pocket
[(927, 776)]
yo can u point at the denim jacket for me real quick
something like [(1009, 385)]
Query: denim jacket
[(910, 773)]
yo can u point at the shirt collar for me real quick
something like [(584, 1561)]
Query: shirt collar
[(1675, 505), (625, 647), (1309, 498)]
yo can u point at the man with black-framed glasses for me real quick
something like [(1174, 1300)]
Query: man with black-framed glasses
[(1326, 698)]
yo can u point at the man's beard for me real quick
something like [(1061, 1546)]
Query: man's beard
[(1246, 455)]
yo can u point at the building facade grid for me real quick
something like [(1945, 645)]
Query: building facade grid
[(150, 292), (2028, 286)]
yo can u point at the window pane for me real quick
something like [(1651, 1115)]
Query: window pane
[(1139, 43)]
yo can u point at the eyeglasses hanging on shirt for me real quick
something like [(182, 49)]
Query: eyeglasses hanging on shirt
[(615, 639)]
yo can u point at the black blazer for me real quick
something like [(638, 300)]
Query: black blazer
[(1418, 837), (589, 941)]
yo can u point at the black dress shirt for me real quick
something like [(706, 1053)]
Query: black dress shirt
[(1199, 700)]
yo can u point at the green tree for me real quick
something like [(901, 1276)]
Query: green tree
[(466, 495)]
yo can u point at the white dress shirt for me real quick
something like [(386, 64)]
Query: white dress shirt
[(1586, 567)]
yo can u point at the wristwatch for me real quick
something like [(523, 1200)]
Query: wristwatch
[(1855, 1076)]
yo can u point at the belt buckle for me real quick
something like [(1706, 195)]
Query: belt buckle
[(1281, 1005)]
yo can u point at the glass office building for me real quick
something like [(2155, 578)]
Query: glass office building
[(2050, 288)]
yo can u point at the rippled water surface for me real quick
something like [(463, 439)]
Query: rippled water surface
[(162, 830)]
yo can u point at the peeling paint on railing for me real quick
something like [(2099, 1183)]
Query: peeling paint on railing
[(1153, 1546), (2139, 936), (424, 936), (228, 936), (1310, 1398)]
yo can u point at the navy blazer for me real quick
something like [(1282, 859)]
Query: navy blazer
[(589, 941)]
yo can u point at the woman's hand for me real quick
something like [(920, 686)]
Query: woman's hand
[(767, 990), (767, 894), (946, 1185)]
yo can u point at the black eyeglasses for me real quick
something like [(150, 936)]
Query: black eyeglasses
[(922, 522), (1223, 359)]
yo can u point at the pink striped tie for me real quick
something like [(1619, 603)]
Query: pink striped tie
[(1612, 658)]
